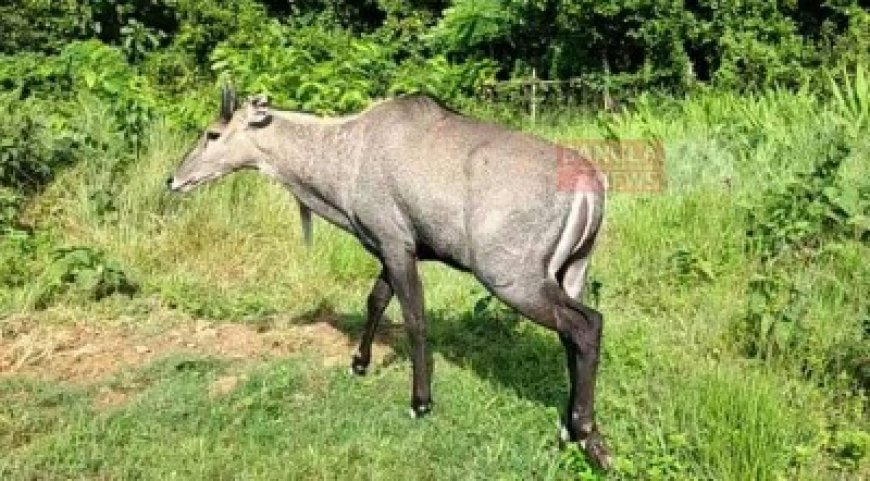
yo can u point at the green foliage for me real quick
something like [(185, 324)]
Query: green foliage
[(42, 25), (735, 44), (689, 266), (845, 34), (81, 65), (469, 24), (173, 71), (852, 100), (43, 128), (10, 204), (813, 207), (102, 71), (852, 446), (314, 70), (321, 71), (749, 44), (81, 272), (448, 81), (31, 147), (137, 40), (204, 24), (798, 226), (18, 251), (488, 308)]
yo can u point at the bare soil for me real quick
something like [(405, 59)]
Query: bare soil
[(89, 353)]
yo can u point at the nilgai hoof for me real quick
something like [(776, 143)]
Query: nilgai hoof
[(593, 447), (596, 451), (420, 409), (358, 366)]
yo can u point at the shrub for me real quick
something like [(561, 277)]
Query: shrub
[(851, 99), (16, 255), (332, 71), (10, 203), (31, 148), (812, 208), (807, 225), (81, 272)]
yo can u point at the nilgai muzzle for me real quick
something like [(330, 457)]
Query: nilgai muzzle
[(415, 181)]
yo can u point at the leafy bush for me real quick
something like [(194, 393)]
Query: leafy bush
[(82, 272), (42, 125), (103, 71), (799, 228), (41, 25), (737, 44), (812, 208), (851, 96), (174, 71), (18, 253), (448, 81), (469, 24), (314, 70), (31, 149), (10, 203)]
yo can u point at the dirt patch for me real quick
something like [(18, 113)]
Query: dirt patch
[(225, 385), (108, 398), (86, 354)]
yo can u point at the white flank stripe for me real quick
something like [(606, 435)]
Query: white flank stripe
[(565, 245), (590, 220)]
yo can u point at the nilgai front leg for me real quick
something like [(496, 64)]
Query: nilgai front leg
[(401, 269), (377, 302)]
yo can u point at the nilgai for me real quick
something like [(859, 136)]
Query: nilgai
[(415, 181)]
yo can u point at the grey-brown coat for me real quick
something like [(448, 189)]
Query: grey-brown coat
[(413, 181)]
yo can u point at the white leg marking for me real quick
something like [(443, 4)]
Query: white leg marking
[(564, 435)]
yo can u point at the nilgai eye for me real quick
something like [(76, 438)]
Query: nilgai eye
[(212, 135)]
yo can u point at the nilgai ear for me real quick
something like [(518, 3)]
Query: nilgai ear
[(228, 103), (258, 111)]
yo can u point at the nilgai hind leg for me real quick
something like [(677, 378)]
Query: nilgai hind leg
[(579, 329)]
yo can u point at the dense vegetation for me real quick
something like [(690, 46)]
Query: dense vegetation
[(737, 300)]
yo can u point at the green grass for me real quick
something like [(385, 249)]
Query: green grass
[(680, 397), (293, 419)]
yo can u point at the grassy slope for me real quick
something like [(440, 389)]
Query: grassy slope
[(676, 398)]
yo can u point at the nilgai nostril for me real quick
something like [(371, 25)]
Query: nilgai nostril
[(413, 181)]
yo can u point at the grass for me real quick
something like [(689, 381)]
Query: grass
[(294, 419), (679, 396), (286, 421)]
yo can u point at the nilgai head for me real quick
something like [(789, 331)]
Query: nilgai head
[(227, 145)]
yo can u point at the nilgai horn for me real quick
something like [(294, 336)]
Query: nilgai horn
[(415, 181)]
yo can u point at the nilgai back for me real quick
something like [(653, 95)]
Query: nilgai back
[(413, 180)]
